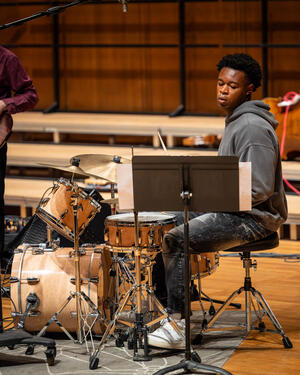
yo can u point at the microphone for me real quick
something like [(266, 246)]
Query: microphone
[(124, 5)]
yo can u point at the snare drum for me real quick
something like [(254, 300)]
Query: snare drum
[(204, 264), (56, 209), (119, 230), (49, 273)]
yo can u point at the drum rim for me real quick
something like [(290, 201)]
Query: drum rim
[(55, 224), (161, 218)]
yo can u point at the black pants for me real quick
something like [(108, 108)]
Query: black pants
[(208, 232), (3, 152)]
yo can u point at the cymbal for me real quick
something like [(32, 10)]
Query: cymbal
[(68, 168), (110, 201), (100, 165)]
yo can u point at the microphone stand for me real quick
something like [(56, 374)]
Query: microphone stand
[(48, 12)]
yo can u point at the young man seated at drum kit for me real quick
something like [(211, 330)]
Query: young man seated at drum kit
[(249, 134)]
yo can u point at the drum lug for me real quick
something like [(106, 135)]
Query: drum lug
[(118, 236), (64, 213), (140, 238), (162, 233), (151, 236), (44, 201), (54, 189), (94, 280), (33, 280), (91, 215), (13, 280), (72, 280), (38, 251), (106, 231)]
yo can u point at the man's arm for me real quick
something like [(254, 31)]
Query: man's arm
[(25, 96), (2, 107)]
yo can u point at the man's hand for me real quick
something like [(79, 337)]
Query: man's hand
[(2, 106)]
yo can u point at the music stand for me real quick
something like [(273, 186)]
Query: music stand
[(198, 183)]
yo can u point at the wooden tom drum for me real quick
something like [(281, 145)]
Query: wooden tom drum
[(204, 264), (56, 208)]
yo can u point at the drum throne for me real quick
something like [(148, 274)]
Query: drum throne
[(251, 294)]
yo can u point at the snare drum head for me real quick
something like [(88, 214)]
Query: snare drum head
[(143, 218)]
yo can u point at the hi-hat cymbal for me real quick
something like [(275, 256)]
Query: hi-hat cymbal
[(103, 166), (69, 168), (110, 201)]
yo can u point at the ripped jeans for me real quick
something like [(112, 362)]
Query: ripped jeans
[(208, 232)]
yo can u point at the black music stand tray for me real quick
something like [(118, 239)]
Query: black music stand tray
[(197, 183)]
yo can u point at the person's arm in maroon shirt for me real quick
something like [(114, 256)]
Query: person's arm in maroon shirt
[(25, 96)]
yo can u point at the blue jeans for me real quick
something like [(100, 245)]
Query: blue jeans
[(208, 232)]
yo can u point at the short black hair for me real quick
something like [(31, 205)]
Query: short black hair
[(245, 63)]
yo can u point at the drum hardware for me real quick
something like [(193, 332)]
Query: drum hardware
[(75, 196), (32, 304), (92, 280), (110, 201), (136, 292)]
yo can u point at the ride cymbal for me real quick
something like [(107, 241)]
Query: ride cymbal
[(100, 165), (68, 168)]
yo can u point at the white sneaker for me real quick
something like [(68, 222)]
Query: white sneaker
[(167, 337)]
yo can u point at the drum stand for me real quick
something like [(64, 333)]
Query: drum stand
[(80, 297), (139, 328)]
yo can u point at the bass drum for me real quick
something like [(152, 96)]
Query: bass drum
[(49, 273)]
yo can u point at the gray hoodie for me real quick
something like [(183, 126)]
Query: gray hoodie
[(250, 135)]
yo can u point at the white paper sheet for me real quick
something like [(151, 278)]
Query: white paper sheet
[(125, 186), (245, 186)]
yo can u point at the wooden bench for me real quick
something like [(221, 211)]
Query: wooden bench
[(118, 124), (30, 154)]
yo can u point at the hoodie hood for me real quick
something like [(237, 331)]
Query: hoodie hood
[(250, 135), (256, 107)]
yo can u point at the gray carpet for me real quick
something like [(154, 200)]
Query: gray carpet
[(73, 358)]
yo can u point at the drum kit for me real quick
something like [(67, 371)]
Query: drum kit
[(85, 289)]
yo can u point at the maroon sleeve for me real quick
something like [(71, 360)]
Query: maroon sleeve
[(25, 96)]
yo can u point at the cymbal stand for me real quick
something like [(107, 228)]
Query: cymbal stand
[(139, 328)]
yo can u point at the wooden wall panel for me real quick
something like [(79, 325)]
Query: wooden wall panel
[(37, 31), (106, 23), (223, 22), (147, 79), (118, 79), (284, 71), (284, 21)]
